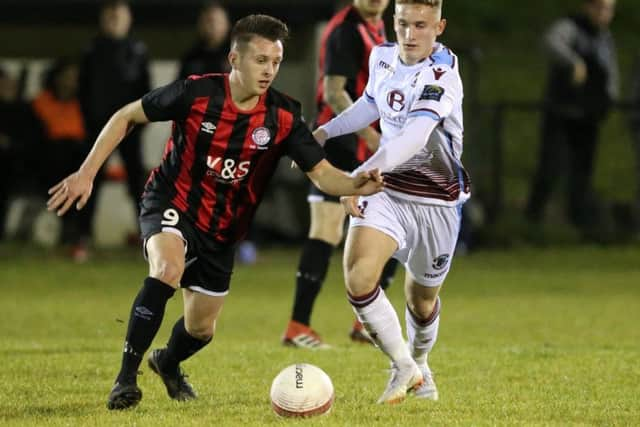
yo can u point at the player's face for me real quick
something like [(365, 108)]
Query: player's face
[(417, 26), (257, 63), (371, 7)]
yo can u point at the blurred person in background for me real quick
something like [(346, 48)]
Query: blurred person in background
[(209, 53), (229, 133), (115, 71), (65, 143), (20, 137), (345, 46), (581, 86)]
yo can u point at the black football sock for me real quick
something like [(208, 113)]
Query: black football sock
[(312, 270), (388, 272), (181, 346), (144, 321)]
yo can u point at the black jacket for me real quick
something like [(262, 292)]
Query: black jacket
[(112, 74)]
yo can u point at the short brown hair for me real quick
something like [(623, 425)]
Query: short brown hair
[(258, 25)]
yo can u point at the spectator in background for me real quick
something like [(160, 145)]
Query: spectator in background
[(115, 71), (582, 83), (20, 135), (65, 143), (209, 53)]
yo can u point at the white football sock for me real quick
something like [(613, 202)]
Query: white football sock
[(422, 335), (381, 321)]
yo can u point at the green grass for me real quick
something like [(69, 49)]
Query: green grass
[(527, 338)]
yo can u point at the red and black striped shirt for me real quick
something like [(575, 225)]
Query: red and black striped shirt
[(345, 47), (219, 159)]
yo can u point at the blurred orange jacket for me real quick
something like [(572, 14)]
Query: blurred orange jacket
[(61, 119)]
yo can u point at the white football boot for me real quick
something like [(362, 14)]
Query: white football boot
[(426, 390), (405, 376)]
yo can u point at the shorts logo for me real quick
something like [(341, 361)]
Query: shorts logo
[(440, 262), (431, 93), (395, 99), (261, 136), (363, 206)]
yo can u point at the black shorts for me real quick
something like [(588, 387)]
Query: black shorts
[(341, 153), (208, 264)]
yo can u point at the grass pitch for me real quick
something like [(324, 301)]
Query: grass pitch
[(528, 337)]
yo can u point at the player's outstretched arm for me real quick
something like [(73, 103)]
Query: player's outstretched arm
[(405, 145), (355, 118), (78, 185), (336, 182)]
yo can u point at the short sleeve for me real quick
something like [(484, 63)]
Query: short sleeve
[(302, 147), (170, 102), (369, 90), (438, 93), (343, 54)]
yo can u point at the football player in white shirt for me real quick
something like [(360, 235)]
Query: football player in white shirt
[(415, 90)]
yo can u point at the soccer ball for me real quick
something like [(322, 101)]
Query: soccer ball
[(301, 390)]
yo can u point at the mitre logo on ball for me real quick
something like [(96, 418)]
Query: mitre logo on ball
[(302, 390)]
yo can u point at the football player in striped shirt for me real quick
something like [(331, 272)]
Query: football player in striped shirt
[(415, 90), (229, 133)]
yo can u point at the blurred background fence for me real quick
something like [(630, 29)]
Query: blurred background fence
[(498, 42)]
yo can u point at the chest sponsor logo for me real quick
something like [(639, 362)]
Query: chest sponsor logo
[(395, 100), (261, 137), (227, 170), (431, 93), (207, 127)]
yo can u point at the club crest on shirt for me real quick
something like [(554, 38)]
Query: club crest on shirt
[(438, 72), (431, 93), (261, 136)]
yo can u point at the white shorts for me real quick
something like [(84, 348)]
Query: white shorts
[(426, 234)]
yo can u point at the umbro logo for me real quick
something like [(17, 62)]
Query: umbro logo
[(207, 127), (143, 312)]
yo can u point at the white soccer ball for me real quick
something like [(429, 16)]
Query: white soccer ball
[(301, 390)]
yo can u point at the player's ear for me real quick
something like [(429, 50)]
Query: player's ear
[(441, 26), (233, 58)]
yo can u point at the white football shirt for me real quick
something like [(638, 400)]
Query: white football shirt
[(431, 88)]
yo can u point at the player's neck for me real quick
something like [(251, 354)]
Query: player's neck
[(240, 96)]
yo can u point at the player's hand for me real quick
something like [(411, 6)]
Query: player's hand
[(368, 182), (579, 73), (351, 206), (321, 136), (75, 187)]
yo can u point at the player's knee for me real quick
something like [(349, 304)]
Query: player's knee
[(168, 271), (360, 278), (329, 233), (422, 307)]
